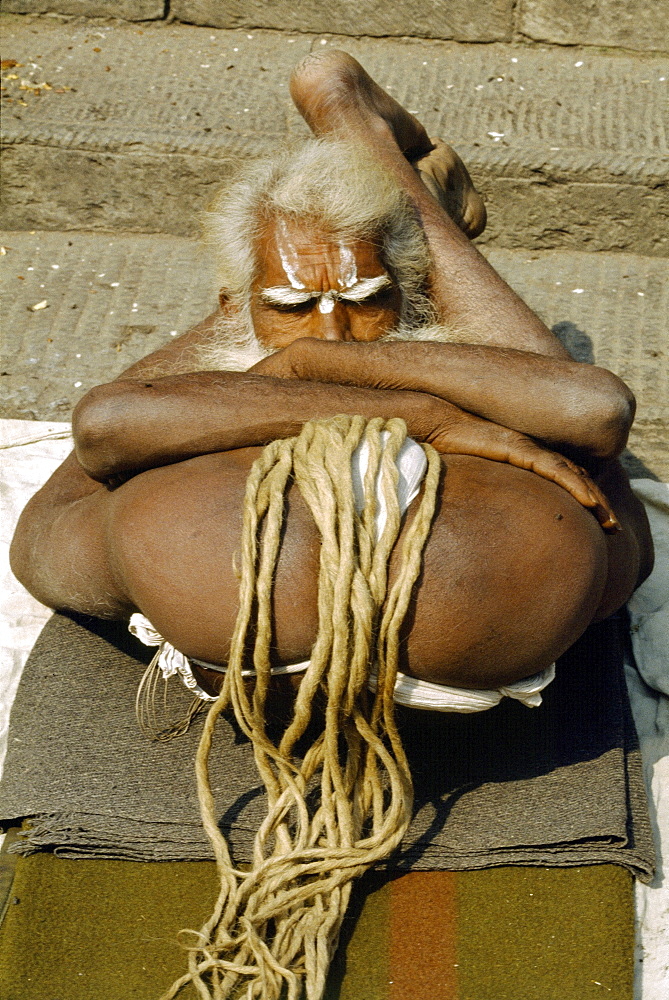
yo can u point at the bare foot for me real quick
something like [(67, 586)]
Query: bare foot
[(336, 96), (447, 179)]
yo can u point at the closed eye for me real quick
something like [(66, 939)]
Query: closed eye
[(293, 307)]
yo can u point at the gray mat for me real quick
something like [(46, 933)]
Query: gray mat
[(557, 785)]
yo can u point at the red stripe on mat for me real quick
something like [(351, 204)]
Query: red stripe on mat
[(422, 937)]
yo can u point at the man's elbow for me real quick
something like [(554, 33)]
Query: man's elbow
[(613, 419), (95, 432)]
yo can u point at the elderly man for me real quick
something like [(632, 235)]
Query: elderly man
[(350, 286)]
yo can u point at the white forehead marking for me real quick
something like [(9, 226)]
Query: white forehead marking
[(288, 255), (348, 266), (326, 302)]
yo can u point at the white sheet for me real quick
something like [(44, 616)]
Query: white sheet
[(31, 451), (24, 468)]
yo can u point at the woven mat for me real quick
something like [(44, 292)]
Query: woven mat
[(558, 785)]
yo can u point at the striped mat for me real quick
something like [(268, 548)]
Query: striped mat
[(106, 930)]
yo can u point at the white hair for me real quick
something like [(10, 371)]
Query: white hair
[(334, 185), (344, 192), (233, 346)]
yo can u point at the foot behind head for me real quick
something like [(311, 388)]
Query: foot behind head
[(337, 97)]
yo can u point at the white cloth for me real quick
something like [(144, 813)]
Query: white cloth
[(172, 662), (411, 467), (414, 693), (409, 691)]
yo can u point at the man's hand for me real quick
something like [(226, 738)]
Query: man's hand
[(462, 433)]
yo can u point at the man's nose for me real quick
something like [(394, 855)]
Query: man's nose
[(333, 324)]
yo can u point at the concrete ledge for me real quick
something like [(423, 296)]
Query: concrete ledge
[(632, 24), (138, 128), (111, 299), (129, 10), (485, 21)]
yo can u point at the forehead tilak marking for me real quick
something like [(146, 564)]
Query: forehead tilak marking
[(326, 302), (290, 260), (347, 265), (288, 255)]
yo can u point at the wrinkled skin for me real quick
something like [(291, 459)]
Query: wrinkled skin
[(537, 532)]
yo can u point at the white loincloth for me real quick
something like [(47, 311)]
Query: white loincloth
[(409, 691)]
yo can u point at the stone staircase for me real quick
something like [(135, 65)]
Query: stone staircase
[(118, 132)]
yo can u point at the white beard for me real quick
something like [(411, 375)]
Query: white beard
[(234, 346)]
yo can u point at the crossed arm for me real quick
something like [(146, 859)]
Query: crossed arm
[(511, 386), (467, 399)]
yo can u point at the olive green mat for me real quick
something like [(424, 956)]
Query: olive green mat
[(106, 930)]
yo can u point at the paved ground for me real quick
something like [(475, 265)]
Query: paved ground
[(112, 298), (133, 127)]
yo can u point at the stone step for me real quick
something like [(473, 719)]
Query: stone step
[(111, 299), (634, 24), (142, 124)]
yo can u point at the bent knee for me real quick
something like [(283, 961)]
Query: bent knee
[(501, 602)]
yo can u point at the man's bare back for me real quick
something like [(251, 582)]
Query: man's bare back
[(516, 566)]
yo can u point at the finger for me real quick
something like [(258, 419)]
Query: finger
[(603, 510), (597, 501), (499, 444), (578, 483)]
